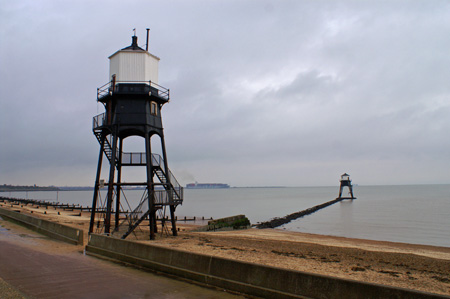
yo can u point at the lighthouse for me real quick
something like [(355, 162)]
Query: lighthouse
[(133, 102), (346, 182)]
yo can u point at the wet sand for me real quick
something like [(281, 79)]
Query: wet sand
[(419, 267)]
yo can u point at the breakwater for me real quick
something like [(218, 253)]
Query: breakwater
[(77, 207), (47, 204), (288, 218)]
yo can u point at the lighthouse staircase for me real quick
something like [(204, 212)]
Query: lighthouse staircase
[(168, 191)]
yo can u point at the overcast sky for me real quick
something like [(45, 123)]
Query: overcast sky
[(285, 93)]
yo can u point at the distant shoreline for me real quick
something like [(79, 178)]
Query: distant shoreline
[(10, 188), (14, 188)]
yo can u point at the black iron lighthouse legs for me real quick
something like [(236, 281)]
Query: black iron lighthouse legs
[(150, 193), (97, 184), (118, 187), (111, 184), (170, 192)]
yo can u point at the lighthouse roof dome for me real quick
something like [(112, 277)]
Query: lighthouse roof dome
[(134, 45), (133, 48)]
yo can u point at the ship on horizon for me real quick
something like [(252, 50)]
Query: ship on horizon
[(207, 186)]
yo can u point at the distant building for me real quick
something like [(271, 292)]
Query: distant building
[(207, 186)]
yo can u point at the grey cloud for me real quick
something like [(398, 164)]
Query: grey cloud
[(262, 92)]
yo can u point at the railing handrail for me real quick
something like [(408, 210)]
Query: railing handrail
[(96, 120), (172, 178), (161, 198), (106, 88)]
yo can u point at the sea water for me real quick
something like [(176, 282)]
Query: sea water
[(418, 214)]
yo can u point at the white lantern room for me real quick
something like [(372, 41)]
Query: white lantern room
[(133, 64)]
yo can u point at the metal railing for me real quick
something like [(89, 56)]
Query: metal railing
[(109, 88), (176, 186), (157, 160), (98, 121), (134, 158), (161, 198), (103, 90)]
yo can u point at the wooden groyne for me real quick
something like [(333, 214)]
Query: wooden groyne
[(286, 219), (49, 204), (76, 207)]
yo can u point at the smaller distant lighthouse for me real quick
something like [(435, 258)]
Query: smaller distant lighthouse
[(346, 182)]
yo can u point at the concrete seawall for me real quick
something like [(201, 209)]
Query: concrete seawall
[(253, 279), (54, 230)]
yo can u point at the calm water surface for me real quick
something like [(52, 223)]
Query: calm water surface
[(417, 214)]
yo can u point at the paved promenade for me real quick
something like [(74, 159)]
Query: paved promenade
[(35, 266)]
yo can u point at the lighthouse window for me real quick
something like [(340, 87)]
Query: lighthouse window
[(153, 109)]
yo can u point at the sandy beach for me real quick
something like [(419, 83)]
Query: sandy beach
[(419, 267)]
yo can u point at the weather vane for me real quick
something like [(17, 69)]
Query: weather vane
[(134, 31)]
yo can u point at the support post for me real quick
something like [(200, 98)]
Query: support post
[(111, 183), (97, 182), (154, 221), (169, 186), (150, 188), (118, 187), (351, 191)]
